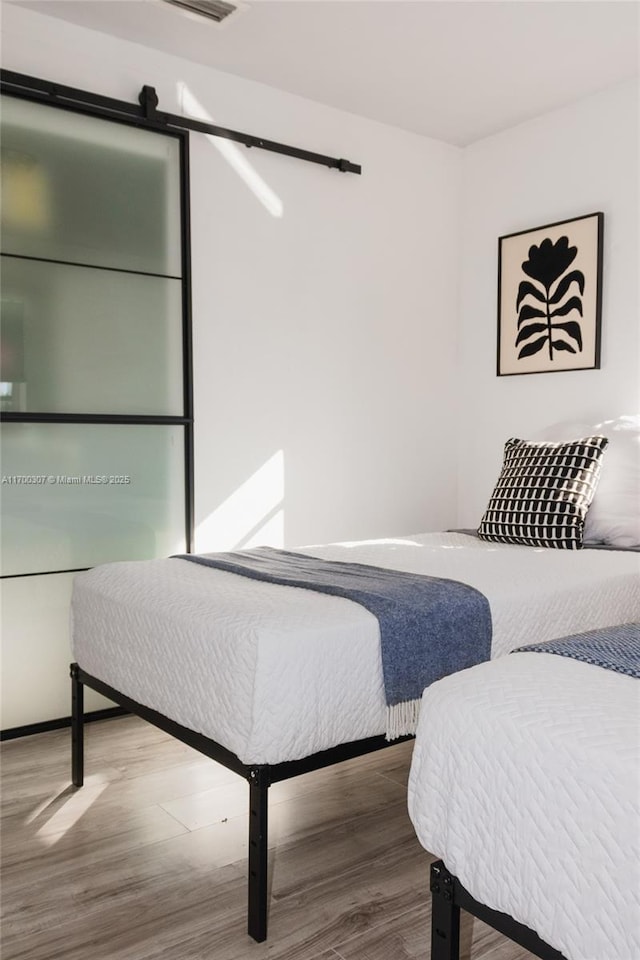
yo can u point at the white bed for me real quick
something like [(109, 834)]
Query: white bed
[(525, 781), (276, 681), (277, 673)]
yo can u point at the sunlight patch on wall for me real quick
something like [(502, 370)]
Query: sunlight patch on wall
[(234, 155), (252, 515), (271, 532)]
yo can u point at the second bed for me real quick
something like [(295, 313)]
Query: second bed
[(525, 781)]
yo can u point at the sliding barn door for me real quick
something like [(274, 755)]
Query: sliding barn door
[(95, 388)]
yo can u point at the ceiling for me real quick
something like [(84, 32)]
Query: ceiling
[(455, 70)]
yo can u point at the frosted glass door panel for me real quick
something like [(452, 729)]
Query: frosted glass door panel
[(75, 495), (80, 340), (88, 190)]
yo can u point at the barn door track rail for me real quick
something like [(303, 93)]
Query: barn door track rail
[(146, 111)]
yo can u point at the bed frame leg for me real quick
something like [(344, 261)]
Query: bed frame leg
[(445, 915), (77, 727), (258, 852)]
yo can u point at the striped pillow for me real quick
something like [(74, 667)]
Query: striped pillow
[(543, 493)]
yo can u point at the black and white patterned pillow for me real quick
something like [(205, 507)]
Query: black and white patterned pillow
[(543, 493)]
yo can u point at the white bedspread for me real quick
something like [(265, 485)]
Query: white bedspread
[(526, 782), (277, 673)]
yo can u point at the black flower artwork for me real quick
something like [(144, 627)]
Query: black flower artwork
[(541, 302)]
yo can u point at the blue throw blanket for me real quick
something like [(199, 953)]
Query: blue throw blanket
[(429, 627), (614, 648)]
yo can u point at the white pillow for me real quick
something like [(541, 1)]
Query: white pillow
[(614, 515)]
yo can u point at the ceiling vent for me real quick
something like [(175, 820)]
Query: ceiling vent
[(216, 10)]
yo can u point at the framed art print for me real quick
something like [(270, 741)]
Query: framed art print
[(550, 297)]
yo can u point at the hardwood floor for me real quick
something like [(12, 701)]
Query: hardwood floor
[(147, 860)]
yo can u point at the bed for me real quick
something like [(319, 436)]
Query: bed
[(207, 655), (525, 783)]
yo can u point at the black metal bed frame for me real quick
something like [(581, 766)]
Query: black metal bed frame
[(448, 897), (259, 777)]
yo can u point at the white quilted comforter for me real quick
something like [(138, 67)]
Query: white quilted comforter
[(526, 781), (277, 673)]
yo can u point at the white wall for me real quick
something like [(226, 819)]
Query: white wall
[(327, 333), (324, 338), (565, 164)]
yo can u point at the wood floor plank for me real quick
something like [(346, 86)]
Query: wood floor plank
[(148, 860), (407, 936)]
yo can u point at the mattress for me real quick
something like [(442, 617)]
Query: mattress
[(278, 673), (525, 780)]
